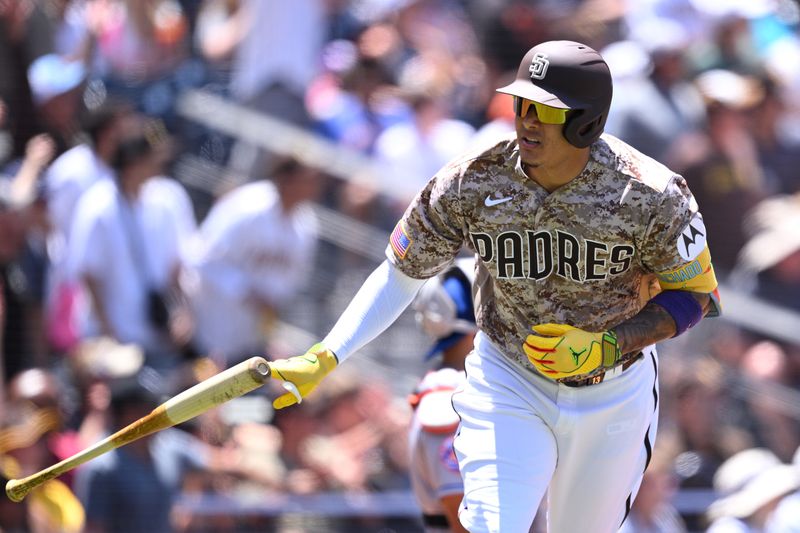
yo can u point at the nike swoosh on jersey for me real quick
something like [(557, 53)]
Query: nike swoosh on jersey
[(491, 202)]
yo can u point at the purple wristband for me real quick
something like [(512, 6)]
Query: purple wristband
[(682, 307)]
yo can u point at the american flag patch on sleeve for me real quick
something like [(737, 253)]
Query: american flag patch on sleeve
[(400, 241)]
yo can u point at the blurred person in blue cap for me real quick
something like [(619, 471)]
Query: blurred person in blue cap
[(56, 86), (445, 311)]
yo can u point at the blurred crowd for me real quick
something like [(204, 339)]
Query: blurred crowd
[(141, 251)]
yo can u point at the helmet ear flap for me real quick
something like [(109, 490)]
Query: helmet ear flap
[(581, 131)]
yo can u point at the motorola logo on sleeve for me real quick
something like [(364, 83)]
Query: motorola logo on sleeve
[(692, 239)]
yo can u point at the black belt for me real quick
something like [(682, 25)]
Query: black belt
[(435, 520), (594, 380)]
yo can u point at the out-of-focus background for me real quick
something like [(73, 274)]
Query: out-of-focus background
[(270, 147)]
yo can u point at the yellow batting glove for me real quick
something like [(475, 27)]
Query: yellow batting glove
[(302, 373), (561, 351)]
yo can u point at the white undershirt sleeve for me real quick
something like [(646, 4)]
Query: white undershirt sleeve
[(377, 304)]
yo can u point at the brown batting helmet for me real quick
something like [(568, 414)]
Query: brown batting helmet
[(567, 75)]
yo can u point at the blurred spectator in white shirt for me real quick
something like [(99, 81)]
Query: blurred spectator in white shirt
[(125, 246), (67, 178), (72, 173), (253, 253)]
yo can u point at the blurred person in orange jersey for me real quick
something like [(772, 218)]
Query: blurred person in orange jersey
[(444, 310)]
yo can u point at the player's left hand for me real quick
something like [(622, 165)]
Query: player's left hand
[(305, 372), (560, 351)]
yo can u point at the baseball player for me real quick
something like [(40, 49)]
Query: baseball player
[(444, 310), (561, 394)]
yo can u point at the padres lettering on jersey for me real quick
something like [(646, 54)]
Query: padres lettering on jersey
[(574, 256), (538, 254)]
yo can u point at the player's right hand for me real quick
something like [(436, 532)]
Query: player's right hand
[(560, 351), (303, 371)]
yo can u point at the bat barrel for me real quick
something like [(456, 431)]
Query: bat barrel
[(216, 390)]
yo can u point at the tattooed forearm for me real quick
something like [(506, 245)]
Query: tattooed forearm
[(652, 324)]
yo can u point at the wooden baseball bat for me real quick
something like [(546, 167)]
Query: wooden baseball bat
[(231, 383)]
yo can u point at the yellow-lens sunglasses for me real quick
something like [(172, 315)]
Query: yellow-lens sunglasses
[(545, 113)]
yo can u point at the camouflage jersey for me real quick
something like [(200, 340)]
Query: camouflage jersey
[(574, 256)]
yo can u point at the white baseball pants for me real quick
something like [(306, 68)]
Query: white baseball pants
[(522, 435)]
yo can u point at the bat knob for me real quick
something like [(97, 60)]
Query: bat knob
[(259, 368), (16, 490)]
